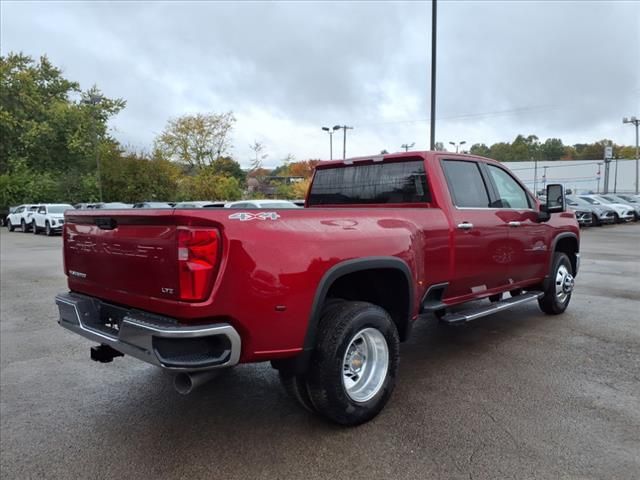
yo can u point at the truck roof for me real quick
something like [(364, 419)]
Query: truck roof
[(383, 157)]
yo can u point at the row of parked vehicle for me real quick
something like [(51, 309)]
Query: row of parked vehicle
[(590, 210), (49, 217), (603, 209)]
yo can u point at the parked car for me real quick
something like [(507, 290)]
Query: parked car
[(5, 213), (600, 215), (623, 213), (582, 216), (261, 204), (624, 200), (152, 205), (326, 292), (21, 217), (49, 217), (196, 204)]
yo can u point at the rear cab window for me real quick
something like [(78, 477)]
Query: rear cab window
[(403, 182)]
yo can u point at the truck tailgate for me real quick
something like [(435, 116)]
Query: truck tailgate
[(130, 252)]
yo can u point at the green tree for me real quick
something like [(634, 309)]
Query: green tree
[(480, 149), (207, 185), (42, 124), (501, 151), (196, 140), (227, 166), (552, 149)]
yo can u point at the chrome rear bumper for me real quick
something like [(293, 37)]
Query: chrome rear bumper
[(158, 340)]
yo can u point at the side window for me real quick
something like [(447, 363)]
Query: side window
[(42, 210), (512, 195), (466, 184), (20, 210)]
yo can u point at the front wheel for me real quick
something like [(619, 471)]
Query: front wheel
[(47, 229), (34, 227), (560, 286), (10, 226), (354, 366), (23, 226)]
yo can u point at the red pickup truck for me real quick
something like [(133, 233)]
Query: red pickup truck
[(326, 292)]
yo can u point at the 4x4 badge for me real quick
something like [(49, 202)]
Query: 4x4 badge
[(246, 216)]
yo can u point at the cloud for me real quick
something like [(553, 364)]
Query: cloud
[(561, 69)]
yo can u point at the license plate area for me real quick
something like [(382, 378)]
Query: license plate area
[(107, 321)]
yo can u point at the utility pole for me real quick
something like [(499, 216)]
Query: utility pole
[(331, 131), (598, 174), (344, 139), (406, 146), (434, 22), (635, 121), (544, 178)]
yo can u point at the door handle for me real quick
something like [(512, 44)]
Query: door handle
[(465, 226), (514, 224)]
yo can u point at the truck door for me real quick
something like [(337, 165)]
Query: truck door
[(528, 237), (482, 252)]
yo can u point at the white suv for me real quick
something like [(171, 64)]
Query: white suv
[(623, 213), (21, 217), (49, 217)]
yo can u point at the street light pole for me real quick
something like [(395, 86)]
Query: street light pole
[(406, 146), (331, 131), (634, 121), (344, 139), (457, 144)]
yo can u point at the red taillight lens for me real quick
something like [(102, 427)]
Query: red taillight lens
[(198, 255)]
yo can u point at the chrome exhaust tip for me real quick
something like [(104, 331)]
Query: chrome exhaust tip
[(187, 382)]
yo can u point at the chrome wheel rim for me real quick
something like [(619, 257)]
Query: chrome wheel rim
[(365, 365), (564, 283)]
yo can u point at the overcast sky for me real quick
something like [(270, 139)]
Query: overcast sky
[(553, 69)]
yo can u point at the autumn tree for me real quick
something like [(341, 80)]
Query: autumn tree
[(196, 140)]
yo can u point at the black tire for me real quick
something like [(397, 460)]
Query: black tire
[(515, 292), (495, 298), (337, 329), (34, 227), (296, 384), (296, 388), (10, 226), (595, 220), (23, 226), (551, 303), (47, 229), (616, 218)]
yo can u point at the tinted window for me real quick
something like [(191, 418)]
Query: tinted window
[(20, 210), (512, 195), (403, 182), (466, 184), (42, 210)]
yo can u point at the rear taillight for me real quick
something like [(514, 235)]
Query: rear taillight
[(198, 256)]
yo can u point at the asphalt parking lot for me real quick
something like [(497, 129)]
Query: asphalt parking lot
[(516, 395)]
